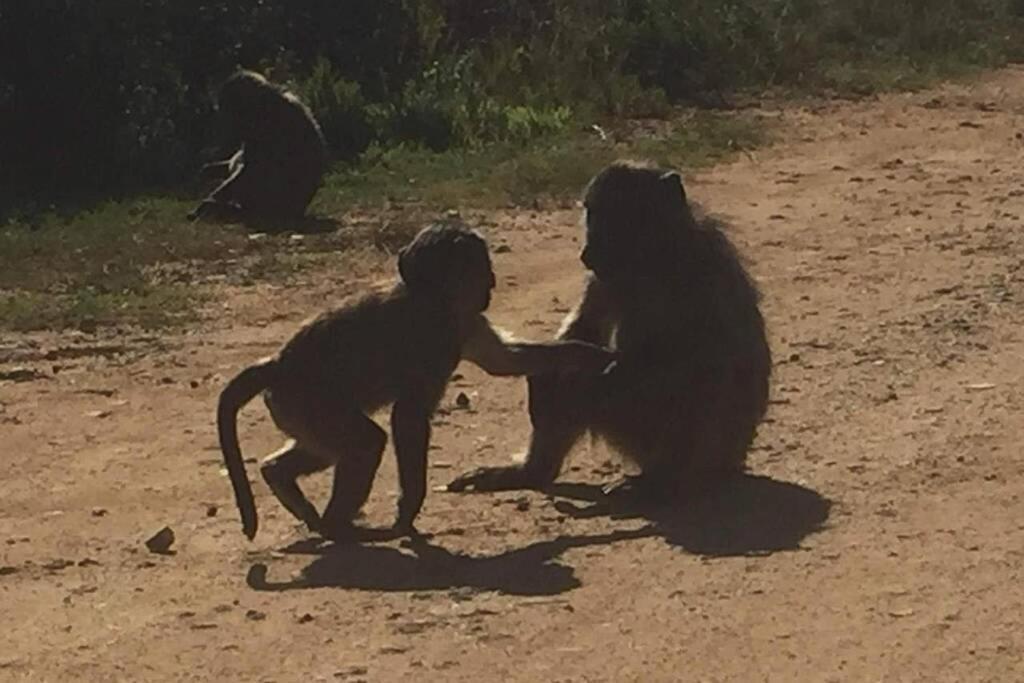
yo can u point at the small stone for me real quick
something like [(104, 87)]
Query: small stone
[(21, 375), (58, 565), (462, 401), (306, 618), (211, 510), (194, 384), (255, 615), (502, 249), (352, 671), (161, 541), (99, 512)]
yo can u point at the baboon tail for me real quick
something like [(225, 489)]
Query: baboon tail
[(239, 391)]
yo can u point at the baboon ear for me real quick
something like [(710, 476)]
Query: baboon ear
[(405, 269), (672, 183)]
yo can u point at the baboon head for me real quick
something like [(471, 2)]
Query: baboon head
[(452, 262), (634, 216), (244, 96)]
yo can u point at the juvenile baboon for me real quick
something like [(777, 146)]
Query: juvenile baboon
[(399, 346), (668, 293), (281, 161)]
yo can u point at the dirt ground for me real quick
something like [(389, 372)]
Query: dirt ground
[(879, 535)]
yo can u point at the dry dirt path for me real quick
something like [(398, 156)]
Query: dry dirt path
[(880, 535)]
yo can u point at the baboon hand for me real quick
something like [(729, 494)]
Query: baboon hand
[(507, 478), (589, 359), (200, 211)]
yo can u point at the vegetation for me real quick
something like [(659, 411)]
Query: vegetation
[(105, 104), (106, 96)]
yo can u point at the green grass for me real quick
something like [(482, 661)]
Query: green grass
[(86, 309), (888, 73), (502, 175), (139, 262)]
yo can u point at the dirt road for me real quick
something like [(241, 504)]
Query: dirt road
[(880, 535)]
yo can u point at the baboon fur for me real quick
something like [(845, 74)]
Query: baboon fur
[(668, 292), (280, 164), (395, 347)]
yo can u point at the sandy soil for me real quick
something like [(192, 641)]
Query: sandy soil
[(879, 535)]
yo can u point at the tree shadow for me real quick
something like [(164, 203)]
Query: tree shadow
[(742, 515), (530, 571)]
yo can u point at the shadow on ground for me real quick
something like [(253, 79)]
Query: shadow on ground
[(747, 515), (421, 566), (744, 515)]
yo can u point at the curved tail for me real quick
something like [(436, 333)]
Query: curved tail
[(239, 391)]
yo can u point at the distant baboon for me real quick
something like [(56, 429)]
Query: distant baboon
[(669, 294), (398, 346), (280, 164)]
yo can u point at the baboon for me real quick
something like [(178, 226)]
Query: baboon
[(398, 347), (281, 161), (667, 291)]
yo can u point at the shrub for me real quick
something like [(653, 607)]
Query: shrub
[(340, 108)]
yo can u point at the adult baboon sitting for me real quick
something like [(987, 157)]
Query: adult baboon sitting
[(280, 164), (668, 292)]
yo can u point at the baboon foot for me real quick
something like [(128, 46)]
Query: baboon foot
[(507, 478), (290, 496), (339, 531), (638, 489), (349, 532)]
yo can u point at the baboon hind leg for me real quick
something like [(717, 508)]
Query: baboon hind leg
[(281, 471), (358, 444)]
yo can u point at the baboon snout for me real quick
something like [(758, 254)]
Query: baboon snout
[(587, 257)]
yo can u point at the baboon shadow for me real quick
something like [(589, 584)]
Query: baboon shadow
[(743, 515), (530, 571)]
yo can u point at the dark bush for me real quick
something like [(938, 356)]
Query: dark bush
[(104, 96)]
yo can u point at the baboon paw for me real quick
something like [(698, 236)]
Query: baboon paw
[(636, 490), (338, 532), (625, 486)]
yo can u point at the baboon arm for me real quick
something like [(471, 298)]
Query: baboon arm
[(227, 190), (217, 165), (410, 429), (499, 355), (594, 318)]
